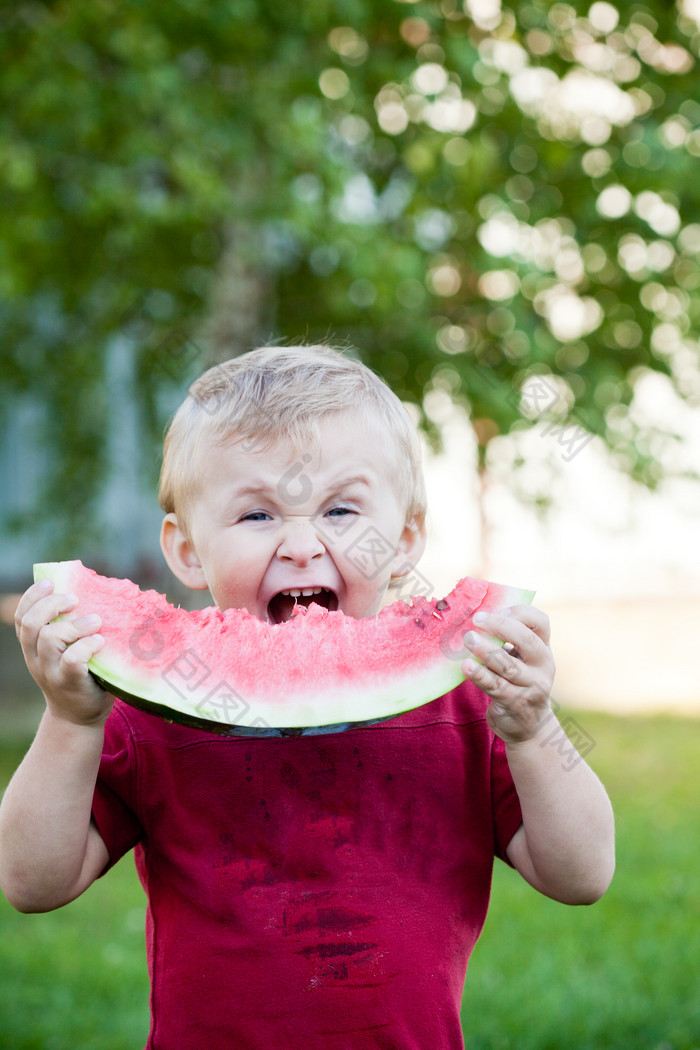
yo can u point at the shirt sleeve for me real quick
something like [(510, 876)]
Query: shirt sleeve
[(115, 790), (507, 815)]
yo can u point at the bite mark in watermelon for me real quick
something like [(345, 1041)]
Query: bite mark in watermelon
[(231, 673)]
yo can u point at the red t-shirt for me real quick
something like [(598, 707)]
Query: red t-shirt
[(316, 892)]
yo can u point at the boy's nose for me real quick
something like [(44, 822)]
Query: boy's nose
[(301, 543)]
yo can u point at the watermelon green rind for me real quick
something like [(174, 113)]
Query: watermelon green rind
[(231, 673)]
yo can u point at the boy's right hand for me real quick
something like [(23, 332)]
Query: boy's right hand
[(57, 654)]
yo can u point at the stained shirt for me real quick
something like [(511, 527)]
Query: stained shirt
[(319, 892)]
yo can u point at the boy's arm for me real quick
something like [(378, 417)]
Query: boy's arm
[(565, 847), (50, 851)]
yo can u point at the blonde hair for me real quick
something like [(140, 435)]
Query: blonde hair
[(276, 392)]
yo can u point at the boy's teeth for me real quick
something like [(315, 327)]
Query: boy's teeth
[(306, 591)]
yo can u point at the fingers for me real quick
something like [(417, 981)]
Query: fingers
[(36, 611), (29, 599), (64, 635), (57, 648), (76, 655), (46, 633), (498, 673), (524, 657), (496, 658), (518, 673), (523, 628), (531, 617)]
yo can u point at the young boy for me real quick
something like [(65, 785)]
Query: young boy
[(323, 891)]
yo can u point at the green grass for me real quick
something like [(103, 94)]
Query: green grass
[(75, 979), (621, 975)]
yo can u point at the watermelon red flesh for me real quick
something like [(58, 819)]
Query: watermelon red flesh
[(223, 670)]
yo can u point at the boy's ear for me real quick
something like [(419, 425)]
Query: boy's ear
[(180, 554), (410, 548)]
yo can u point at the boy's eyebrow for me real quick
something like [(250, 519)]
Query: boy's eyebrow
[(257, 487), (355, 479)]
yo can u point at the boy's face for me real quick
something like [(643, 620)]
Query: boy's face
[(264, 523)]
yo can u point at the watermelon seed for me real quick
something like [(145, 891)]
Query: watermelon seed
[(420, 623), (442, 604)]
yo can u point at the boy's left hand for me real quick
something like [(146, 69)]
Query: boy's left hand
[(519, 678)]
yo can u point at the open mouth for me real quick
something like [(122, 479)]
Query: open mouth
[(280, 608)]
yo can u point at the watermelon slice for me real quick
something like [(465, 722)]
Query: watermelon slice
[(234, 674)]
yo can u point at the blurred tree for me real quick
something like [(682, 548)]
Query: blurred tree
[(494, 202)]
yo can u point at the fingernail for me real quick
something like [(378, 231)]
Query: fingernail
[(93, 620), (480, 617), (44, 583)]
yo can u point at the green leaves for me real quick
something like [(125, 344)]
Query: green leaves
[(470, 196)]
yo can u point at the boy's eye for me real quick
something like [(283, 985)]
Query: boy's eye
[(262, 515), (256, 515)]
